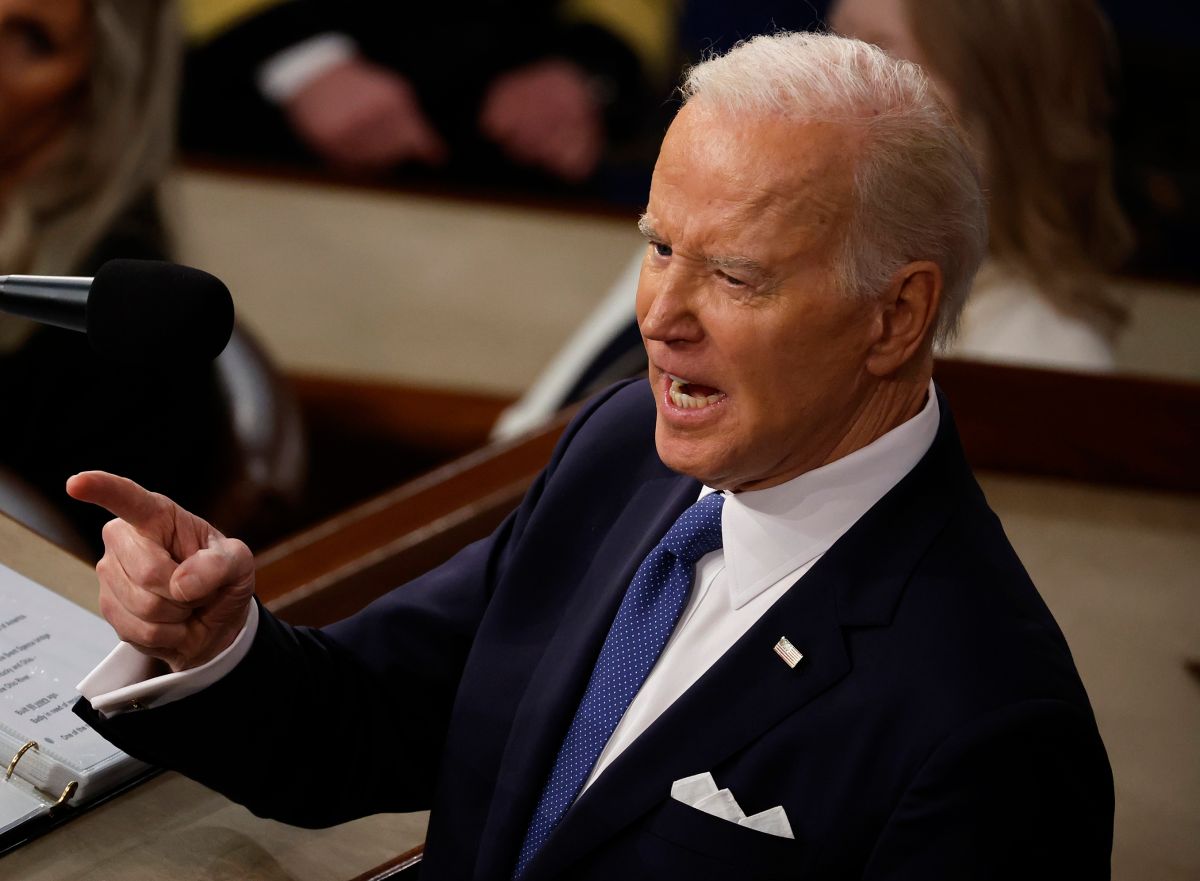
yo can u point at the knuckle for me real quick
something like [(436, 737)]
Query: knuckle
[(145, 569), (152, 634), (238, 552), (146, 605), (162, 504), (112, 530), (138, 570)]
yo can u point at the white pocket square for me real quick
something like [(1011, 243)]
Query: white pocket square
[(700, 792)]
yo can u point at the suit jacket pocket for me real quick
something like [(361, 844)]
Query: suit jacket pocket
[(684, 836)]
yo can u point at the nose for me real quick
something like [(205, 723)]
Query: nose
[(667, 304)]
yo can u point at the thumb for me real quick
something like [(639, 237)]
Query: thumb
[(224, 568)]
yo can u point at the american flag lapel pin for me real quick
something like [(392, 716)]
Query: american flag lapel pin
[(788, 652)]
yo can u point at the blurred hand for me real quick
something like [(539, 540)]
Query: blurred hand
[(360, 116), (170, 584), (546, 115)]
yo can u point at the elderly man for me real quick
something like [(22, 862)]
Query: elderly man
[(755, 619)]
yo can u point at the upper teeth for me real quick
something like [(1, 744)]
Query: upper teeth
[(680, 398)]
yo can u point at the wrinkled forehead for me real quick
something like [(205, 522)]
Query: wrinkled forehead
[(758, 165)]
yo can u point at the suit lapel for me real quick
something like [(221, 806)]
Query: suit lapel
[(559, 679), (857, 583)]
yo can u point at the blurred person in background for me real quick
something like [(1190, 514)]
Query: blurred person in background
[(483, 88), (88, 90), (1029, 81)]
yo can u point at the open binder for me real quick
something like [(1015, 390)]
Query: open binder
[(54, 764)]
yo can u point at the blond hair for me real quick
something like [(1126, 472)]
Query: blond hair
[(1031, 86), (917, 188)]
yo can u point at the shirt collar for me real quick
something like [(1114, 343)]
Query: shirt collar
[(769, 533)]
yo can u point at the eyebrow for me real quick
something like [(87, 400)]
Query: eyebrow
[(723, 263), (739, 264)]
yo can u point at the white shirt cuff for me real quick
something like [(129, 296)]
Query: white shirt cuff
[(285, 73), (126, 679)]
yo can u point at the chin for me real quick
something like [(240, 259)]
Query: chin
[(687, 456)]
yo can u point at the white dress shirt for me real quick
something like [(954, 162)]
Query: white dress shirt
[(770, 538), (284, 74), (129, 680)]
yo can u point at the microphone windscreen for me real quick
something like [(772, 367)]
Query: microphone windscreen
[(149, 310)]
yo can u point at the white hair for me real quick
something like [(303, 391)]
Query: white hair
[(917, 188)]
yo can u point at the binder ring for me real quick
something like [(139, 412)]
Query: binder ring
[(12, 766), (67, 792)]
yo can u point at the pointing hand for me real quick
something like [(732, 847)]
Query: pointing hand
[(170, 584)]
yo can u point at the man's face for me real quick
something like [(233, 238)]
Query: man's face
[(756, 357)]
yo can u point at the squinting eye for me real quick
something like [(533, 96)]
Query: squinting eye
[(731, 281), (660, 249)]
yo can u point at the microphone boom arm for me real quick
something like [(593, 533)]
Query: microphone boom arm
[(57, 300)]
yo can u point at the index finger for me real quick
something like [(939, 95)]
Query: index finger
[(143, 510)]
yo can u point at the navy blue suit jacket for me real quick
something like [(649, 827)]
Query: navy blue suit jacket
[(936, 727)]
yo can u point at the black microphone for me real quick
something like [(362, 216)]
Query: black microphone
[(132, 311)]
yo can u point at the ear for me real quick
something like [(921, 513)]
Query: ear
[(906, 317)]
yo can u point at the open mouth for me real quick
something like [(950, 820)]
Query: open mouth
[(689, 395)]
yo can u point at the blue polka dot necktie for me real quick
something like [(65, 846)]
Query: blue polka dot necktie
[(644, 621)]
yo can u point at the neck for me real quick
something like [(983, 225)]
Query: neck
[(890, 404), (886, 404)]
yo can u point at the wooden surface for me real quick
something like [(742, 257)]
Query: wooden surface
[(1122, 430), (367, 436), (449, 422)]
